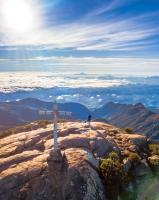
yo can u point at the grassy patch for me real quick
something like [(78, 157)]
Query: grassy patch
[(154, 148), (113, 174), (129, 130), (24, 128), (134, 157)]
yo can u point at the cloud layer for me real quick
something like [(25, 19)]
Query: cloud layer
[(95, 65), (11, 82)]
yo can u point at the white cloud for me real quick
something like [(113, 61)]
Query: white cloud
[(107, 7), (13, 81), (115, 65), (131, 33), (60, 98), (100, 100)]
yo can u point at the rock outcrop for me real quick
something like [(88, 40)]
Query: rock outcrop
[(30, 170)]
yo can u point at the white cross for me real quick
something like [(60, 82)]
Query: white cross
[(55, 113)]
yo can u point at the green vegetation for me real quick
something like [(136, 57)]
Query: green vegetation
[(113, 174), (62, 120), (154, 162), (114, 156), (42, 123), (111, 170), (154, 148), (128, 195), (129, 130), (154, 159), (134, 157), (24, 128)]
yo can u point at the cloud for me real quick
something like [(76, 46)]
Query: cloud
[(60, 98), (26, 81), (115, 34), (99, 65), (108, 7)]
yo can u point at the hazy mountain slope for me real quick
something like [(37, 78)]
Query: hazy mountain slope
[(27, 110), (79, 111), (134, 116)]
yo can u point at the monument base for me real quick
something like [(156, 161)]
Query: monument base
[(56, 155)]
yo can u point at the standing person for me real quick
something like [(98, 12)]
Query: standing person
[(89, 119)]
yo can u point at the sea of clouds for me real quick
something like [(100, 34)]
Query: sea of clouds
[(27, 81), (92, 90)]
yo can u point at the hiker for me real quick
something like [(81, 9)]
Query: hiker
[(89, 119)]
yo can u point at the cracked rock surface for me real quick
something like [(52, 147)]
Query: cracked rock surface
[(28, 170)]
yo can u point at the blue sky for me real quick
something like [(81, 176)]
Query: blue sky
[(86, 35)]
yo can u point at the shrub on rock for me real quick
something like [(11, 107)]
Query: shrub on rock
[(134, 157), (112, 172), (154, 148), (154, 161), (129, 130)]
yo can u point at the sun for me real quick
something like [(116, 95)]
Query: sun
[(18, 15)]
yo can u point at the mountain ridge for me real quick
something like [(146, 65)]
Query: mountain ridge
[(137, 116), (27, 110)]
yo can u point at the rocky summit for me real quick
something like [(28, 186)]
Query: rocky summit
[(31, 170)]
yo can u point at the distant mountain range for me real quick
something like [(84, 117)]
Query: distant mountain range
[(137, 117), (27, 110)]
